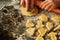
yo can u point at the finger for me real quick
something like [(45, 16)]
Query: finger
[(27, 4), (48, 6), (51, 8), (32, 3), (47, 3), (43, 3), (21, 2)]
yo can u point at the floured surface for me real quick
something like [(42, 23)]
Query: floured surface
[(14, 22)]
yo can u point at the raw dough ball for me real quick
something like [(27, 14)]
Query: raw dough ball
[(33, 12), (29, 23), (49, 25), (43, 18), (56, 19), (31, 31)]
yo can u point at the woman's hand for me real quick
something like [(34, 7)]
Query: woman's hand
[(48, 5), (27, 4)]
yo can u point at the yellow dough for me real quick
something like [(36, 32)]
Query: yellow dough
[(57, 28), (39, 24), (31, 31), (52, 35), (49, 25), (42, 31), (43, 17), (56, 19), (29, 23), (33, 12), (39, 37)]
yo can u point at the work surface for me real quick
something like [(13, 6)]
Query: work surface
[(12, 21)]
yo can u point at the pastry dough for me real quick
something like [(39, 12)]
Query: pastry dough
[(56, 19), (29, 23), (42, 31), (39, 37), (52, 35), (49, 25), (39, 24), (31, 31), (57, 28), (43, 17), (33, 12)]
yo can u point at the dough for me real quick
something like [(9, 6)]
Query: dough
[(31, 31), (56, 19), (42, 31), (43, 18), (39, 37), (52, 35), (39, 24), (33, 12), (57, 28), (29, 23), (49, 25)]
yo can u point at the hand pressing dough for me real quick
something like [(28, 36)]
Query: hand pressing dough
[(52, 35), (31, 31), (49, 25), (57, 28), (33, 12), (39, 37), (56, 19), (29, 23), (39, 24), (42, 31), (43, 18)]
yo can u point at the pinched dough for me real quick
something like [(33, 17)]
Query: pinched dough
[(57, 28), (39, 24), (43, 18), (29, 23), (56, 19), (42, 31), (49, 25), (39, 37), (52, 35), (31, 31)]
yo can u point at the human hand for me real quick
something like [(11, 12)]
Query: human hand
[(27, 4), (48, 5)]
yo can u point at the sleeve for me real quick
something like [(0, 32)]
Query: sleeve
[(57, 2)]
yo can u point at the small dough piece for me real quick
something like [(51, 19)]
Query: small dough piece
[(56, 19), (39, 24), (31, 31), (49, 25), (39, 37), (52, 35), (43, 17), (57, 28), (42, 31), (33, 12), (29, 23)]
